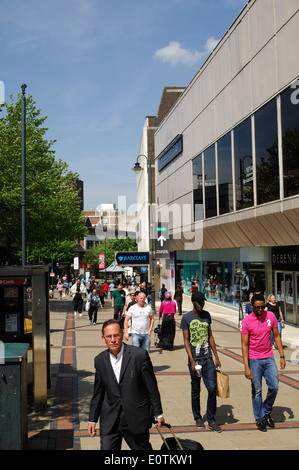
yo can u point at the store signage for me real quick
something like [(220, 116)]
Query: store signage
[(285, 258), (131, 258), (173, 150), (9, 282)]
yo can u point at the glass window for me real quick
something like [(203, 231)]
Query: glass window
[(290, 141), (243, 165), (266, 143), (197, 187), (225, 179), (210, 182)]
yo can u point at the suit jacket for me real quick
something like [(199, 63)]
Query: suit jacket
[(136, 393)]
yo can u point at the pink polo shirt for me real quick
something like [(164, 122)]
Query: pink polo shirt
[(259, 330)]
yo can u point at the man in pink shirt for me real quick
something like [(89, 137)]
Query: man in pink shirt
[(258, 359)]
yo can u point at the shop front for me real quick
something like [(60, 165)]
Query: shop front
[(285, 265), (225, 276)]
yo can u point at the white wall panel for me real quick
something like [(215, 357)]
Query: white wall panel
[(240, 46), (241, 95), (262, 27), (222, 74), (287, 52), (284, 11), (223, 116), (264, 75)]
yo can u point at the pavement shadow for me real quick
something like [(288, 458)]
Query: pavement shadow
[(225, 415), (279, 414)]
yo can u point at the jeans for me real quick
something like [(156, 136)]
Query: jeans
[(117, 311), (279, 331), (266, 368), (209, 378), (141, 341)]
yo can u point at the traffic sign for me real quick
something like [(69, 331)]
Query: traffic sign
[(161, 236)]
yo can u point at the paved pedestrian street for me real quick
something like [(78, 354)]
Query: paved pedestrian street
[(75, 343)]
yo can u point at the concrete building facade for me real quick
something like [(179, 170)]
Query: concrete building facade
[(227, 164)]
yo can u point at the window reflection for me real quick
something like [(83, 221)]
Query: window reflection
[(210, 182), (225, 180), (290, 143), (243, 165), (266, 142), (197, 187)]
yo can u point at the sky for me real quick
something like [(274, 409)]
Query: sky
[(97, 68)]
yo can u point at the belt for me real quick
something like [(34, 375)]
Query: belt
[(205, 358)]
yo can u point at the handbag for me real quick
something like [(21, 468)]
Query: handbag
[(222, 384)]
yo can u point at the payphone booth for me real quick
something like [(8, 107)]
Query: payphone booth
[(24, 318)]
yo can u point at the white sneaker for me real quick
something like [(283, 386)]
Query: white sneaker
[(80, 314), (75, 314)]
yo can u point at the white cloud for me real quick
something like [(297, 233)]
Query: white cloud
[(176, 54)]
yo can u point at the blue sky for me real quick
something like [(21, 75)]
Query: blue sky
[(97, 68)]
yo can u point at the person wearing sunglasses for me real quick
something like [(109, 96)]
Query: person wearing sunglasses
[(259, 359)]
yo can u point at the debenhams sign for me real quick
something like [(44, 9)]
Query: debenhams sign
[(285, 258)]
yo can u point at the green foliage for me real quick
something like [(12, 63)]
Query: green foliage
[(52, 210), (112, 246)]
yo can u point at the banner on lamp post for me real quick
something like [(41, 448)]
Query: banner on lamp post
[(102, 261)]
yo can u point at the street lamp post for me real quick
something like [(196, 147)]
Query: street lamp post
[(23, 202), (137, 169)]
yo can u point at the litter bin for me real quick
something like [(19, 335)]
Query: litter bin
[(13, 396)]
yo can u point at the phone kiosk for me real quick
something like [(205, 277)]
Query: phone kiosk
[(24, 319)]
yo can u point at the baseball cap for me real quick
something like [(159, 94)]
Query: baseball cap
[(198, 297)]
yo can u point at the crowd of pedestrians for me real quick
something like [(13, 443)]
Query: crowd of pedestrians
[(132, 311)]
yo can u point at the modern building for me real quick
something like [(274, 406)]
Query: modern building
[(227, 164), (107, 221), (146, 177)]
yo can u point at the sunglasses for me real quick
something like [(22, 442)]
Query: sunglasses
[(259, 308)]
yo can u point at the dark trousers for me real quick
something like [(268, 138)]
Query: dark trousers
[(209, 378), (93, 312), (113, 440), (179, 304), (118, 311), (78, 304)]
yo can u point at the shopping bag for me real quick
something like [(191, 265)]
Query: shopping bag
[(222, 384)]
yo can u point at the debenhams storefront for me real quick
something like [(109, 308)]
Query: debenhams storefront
[(237, 165)]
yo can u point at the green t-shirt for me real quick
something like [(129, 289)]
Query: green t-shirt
[(198, 328), (119, 301)]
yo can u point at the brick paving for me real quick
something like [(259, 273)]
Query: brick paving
[(75, 343)]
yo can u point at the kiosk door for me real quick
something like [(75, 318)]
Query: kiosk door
[(11, 312)]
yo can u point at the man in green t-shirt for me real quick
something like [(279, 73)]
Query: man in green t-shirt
[(118, 301), (200, 344)]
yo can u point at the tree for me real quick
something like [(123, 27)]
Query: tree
[(53, 213), (114, 245)]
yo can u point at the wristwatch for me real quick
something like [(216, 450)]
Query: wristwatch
[(281, 357)]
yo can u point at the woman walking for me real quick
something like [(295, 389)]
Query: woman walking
[(94, 303), (167, 309)]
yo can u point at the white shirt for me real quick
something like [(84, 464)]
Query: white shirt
[(116, 362), (140, 318)]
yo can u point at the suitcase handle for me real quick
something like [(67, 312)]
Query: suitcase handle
[(167, 425)]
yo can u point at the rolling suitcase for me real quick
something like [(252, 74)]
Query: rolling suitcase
[(174, 443)]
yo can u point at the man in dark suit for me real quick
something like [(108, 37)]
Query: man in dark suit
[(126, 395)]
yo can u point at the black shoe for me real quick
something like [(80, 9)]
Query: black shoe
[(200, 423), (262, 426), (214, 427), (269, 421)]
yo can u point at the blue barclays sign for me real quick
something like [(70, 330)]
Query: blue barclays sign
[(132, 258)]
